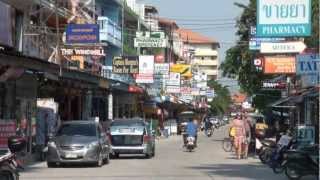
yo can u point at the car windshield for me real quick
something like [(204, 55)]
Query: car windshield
[(77, 130)]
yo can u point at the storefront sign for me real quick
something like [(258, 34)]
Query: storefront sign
[(283, 18), (125, 65), (161, 68), (274, 85), (82, 52), (135, 89), (283, 47), (255, 42), (183, 69), (279, 65), (82, 33), (150, 42), (308, 69), (186, 90), (173, 89), (174, 79), (7, 129), (146, 69)]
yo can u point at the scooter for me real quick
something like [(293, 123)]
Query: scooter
[(265, 149), (190, 145), (9, 165), (302, 162)]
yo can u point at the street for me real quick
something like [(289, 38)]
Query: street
[(208, 162)]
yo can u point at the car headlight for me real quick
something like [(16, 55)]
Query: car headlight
[(52, 144), (91, 145)]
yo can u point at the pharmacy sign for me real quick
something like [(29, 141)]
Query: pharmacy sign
[(283, 18)]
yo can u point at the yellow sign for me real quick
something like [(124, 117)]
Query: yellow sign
[(183, 69)]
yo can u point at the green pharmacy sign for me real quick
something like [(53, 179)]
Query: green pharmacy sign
[(283, 18)]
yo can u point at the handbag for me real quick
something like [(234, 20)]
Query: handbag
[(232, 132)]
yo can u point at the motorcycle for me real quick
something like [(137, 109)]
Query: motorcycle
[(190, 144), (209, 131), (265, 149), (9, 165), (302, 162)]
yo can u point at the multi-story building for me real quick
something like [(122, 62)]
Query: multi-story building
[(205, 52)]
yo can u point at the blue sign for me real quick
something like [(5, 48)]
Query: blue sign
[(82, 33), (308, 68), (283, 18), (255, 42)]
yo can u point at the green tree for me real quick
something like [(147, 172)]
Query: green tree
[(222, 99), (239, 59)]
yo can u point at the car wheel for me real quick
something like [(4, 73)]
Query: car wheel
[(51, 165), (99, 163)]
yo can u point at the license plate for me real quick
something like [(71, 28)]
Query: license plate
[(71, 156), (126, 130)]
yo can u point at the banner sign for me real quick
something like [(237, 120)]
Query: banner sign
[(283, 47), (7, 129), (82, 33), (125, 65), (308, 68), (279, 65), (174, 79), (161, 68), (283, 18), (183, 69)]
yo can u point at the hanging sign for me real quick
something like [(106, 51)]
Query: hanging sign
[(125, 65), (283, 18), (284, 47)]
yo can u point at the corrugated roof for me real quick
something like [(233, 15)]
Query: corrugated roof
[(168, 22), (190, 36)]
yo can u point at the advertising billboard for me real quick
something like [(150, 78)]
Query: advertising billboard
[(82, 33), (150, 39), (308, 69), (283, 18), (279, 65), (146, 70)]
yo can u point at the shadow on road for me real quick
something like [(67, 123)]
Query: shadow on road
[(248, 171)]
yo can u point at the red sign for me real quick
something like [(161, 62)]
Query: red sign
[(159, 58), (7, 129), (279, 65), (185, 90), (135, 89)]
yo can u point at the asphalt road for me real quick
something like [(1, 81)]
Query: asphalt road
[(208, 162)]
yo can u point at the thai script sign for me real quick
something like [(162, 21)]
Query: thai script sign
[(279, 65), (125, 65), (283, 18), (82, 33)]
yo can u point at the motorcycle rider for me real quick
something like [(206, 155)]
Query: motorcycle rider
[(191, 130)]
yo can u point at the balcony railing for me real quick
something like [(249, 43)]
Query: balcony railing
[(110, 31)]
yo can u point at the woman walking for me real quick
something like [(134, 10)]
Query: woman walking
[(240, 134)]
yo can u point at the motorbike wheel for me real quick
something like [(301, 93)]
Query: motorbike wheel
[(292, 173), (227, 145), (278, 168), (265, 156)]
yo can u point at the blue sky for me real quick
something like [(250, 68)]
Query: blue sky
[(213, 18)]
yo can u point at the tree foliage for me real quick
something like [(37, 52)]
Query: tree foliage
[(222, 99)]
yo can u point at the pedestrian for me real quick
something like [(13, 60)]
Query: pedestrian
[(240, 134), (247, 140)]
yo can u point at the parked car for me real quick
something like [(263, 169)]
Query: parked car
[(80, 142), (132, 136)]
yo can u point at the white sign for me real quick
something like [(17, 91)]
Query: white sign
[(174, 79), (146, 69), (173, 89), (110, 106), (195, 92), (161, 68), (144, 78), (284, 47), (146, 64), (258, 62), (283, 18)]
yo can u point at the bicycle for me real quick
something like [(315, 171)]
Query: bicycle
[(227, 144)]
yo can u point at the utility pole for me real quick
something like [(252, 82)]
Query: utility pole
[(58, 59)]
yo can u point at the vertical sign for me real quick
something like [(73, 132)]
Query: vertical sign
[(110, 106), (283, 18)]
